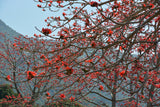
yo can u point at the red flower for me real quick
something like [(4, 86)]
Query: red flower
[(47, 94), (122, 73), (64, 14), (152, 5), (50, 1), (144, 5), (141, 78), (62, 96), (157, 85), (101, 87), (46, 31), (142, 96), (150, 100), (58, 1), (42, 56), (120, 48), (110, 32), (93, 44), (72, 98), (38, 5), (94, 4), (14, 44), (30, 75), (49, 5), (69, 70), (8, 78)]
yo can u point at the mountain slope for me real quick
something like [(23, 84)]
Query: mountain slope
[(10, 33)]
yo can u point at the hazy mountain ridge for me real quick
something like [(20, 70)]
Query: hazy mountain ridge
[(8, 31)]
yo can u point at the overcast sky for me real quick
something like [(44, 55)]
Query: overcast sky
[(23, 15)]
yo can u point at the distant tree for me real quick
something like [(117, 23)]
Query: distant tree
[(6, 91)]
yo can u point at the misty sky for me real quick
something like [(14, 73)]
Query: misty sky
[(23, 15)]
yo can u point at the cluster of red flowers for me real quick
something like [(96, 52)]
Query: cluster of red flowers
[(69, 70), (110, 32), (46, 31), (122, 73), (30, 75), (93, 44), (101, 87), (14, 44), (42, 56), (62, 96), (8, 78), (72, 98), (38, 5)]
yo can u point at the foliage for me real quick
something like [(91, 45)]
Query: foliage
[(6, 90), (101, 52)]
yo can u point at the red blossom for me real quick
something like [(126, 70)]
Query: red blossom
[(42, 73), (157, 85), (101, 87), (144, 5), (40, 0), (58, 1), (93, 44), (120, 48), (49, 5), (142, 96), (152, 5), (122, 73), (64, 13), (150, 100), (141, 78), (94, 4), (47, 94), (69, 70), (62, 96), (8, 78), (72, 98), (42, 56), (110, 32), (50, 1), (46, 31), (30, 75), (14, 44), (49, 62), (38, 5)]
